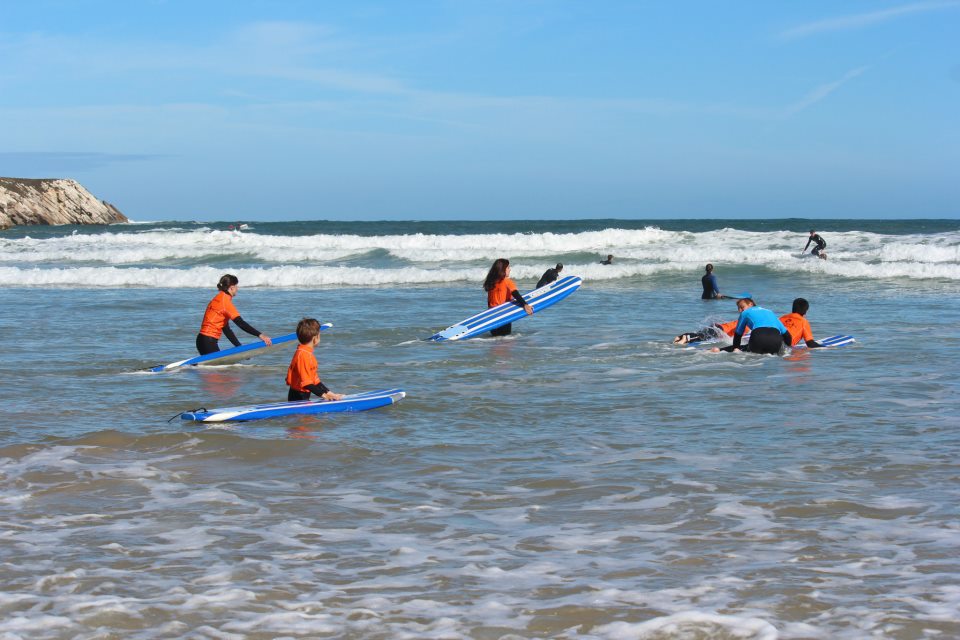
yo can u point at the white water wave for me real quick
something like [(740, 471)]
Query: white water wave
[(650, 244)]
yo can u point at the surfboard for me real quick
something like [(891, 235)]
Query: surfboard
[(233, 355), (832, 341), (538, 299), (355, 402)]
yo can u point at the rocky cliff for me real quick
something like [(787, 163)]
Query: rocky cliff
[(52, 201)]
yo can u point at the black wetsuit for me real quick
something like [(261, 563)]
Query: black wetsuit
[(550, 275), (762, 340), (506, 329), (319, 389), (206, 344), (710, 288), (821, 244)]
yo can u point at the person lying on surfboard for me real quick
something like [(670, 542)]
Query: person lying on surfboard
[(500, 288), (302, 375), (714, 331), (216, 318)]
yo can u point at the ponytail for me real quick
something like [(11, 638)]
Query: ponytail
[(227, 281)]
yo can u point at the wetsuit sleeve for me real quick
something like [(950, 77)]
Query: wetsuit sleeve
[(518, 298), (231, 336), (737, 337), (318, 389), (809, 240), (240, 322), (813, 344), (713, 283)]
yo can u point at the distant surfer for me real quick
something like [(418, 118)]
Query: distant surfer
[(711, 290), (817, 240), (550, 275), (768, 334), (216, 319), (302, 375), (500, 288), (609, 259)]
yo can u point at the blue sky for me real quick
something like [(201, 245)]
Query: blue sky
[(282, 110)]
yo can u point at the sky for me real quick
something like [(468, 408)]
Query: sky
[(494, 109)]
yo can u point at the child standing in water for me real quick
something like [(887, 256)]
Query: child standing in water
[(302, 376), (500, 288)]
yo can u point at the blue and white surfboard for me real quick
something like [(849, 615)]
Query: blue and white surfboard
[(236, 354), (538, 299), (832, 341), (355, 402)]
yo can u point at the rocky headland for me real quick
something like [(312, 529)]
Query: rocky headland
[(52, 201)]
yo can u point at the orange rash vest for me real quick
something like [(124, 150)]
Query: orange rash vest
[(798, 326), (218, 313), (501, 292), (303, 368)]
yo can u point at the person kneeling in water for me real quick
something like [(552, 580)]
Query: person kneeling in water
[(767, 333)]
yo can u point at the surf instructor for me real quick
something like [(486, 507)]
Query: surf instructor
[(711, 290), (216, 319), (500, 288)]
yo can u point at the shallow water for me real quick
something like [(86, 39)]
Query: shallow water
[(583, 478)]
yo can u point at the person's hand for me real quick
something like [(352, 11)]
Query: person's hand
[(330, 395), (528, 309), (266, 339)]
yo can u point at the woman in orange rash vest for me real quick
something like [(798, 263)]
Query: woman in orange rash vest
[(500, 288), (216, 319)]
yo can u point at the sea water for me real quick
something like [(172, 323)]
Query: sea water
[(582, 478)]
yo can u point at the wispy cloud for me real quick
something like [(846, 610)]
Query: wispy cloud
[(861, 20), (28, 163), (820, 93)]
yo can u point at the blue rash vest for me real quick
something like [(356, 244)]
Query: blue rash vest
[(756, 317)]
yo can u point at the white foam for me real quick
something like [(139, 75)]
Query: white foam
[(154, 258), (690, 624)]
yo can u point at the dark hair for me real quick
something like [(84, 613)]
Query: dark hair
[(709, 267), (559, 266), (498, 271), (813, 231), (749, 301), (307, 329), (800, 305), (227, 281)]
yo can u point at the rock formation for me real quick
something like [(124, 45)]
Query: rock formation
[(52, 201)]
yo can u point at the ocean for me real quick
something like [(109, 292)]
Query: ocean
[(582, 478)]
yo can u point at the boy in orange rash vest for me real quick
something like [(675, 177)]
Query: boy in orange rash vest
[(798, 325), (302, 373)]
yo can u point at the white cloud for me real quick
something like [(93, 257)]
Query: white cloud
[(861, 20)]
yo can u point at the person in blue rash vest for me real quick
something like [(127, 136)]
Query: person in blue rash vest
[(711, 290), (767, 333)]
